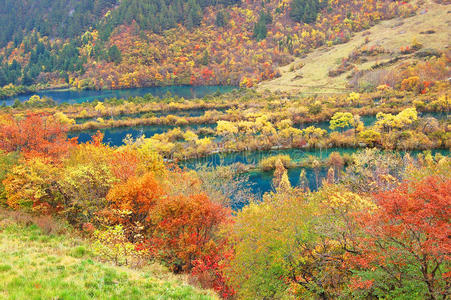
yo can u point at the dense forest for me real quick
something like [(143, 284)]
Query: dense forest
[(110, 44), (56, 19)]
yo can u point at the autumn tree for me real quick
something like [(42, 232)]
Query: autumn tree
[(341, 120), (33, 185), (293, 244), (34, 135), (406, 249), (7, 161), (185, 229), (373, 170), (134, 200), (84, 188)]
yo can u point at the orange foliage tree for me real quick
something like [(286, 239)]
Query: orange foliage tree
[(407, 249), (135, 199), (185, 229), (34, 135)]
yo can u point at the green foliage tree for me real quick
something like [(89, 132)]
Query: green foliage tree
[(220, 19), (294, 244), (114, 54), (305, 10), (260, 28)]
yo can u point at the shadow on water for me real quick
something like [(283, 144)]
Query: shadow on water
[(71, 97)]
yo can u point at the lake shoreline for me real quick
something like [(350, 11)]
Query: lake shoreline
[(68, 89)]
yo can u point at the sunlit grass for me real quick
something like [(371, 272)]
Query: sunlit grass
[(38, 266)]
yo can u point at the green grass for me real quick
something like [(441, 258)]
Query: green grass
[(38, 266)]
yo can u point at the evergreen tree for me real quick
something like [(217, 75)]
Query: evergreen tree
[(114, 54), (220, 19), (260, 28), (305, 10)]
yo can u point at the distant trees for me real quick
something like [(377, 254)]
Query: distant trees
[(114, 54), (220, 19), (260, 28), (158, 16), (55, 18), (63, 44), (305, 11)]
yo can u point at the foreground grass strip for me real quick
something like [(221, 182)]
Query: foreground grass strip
[(38, 266)]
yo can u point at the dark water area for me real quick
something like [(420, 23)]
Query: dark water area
[(254, 157), (261, 182), (115, 136), (438, 115), (72, 97), (367, 120)]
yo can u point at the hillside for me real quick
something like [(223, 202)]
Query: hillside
[(39, 265), (390, 37), (154, 43)]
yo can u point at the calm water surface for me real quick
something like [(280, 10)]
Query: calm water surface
[(69, 96), (261, 182)]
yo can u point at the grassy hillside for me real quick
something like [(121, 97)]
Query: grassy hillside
[(310, 73), (35, 265)]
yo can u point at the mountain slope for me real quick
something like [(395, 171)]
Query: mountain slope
[(150, 43), (425, 28)]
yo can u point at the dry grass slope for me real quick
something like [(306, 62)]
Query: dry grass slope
[(391, 35)]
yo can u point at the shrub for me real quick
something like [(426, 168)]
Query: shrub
[(412, 84), (269, 163), (112, 244)]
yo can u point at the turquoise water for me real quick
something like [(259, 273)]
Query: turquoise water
[(261, 182), (69, 96), (115, 136), (367, 120), (254, 157)]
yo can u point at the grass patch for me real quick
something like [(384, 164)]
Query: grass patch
[(39, 266)]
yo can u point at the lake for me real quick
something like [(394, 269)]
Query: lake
[(261, 182), (70, 96), (115, 136)]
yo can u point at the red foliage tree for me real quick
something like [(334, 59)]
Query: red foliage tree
[(209, 270), (185, 229), (35, 135), (124, 164), (408, 240), (135, 199)]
